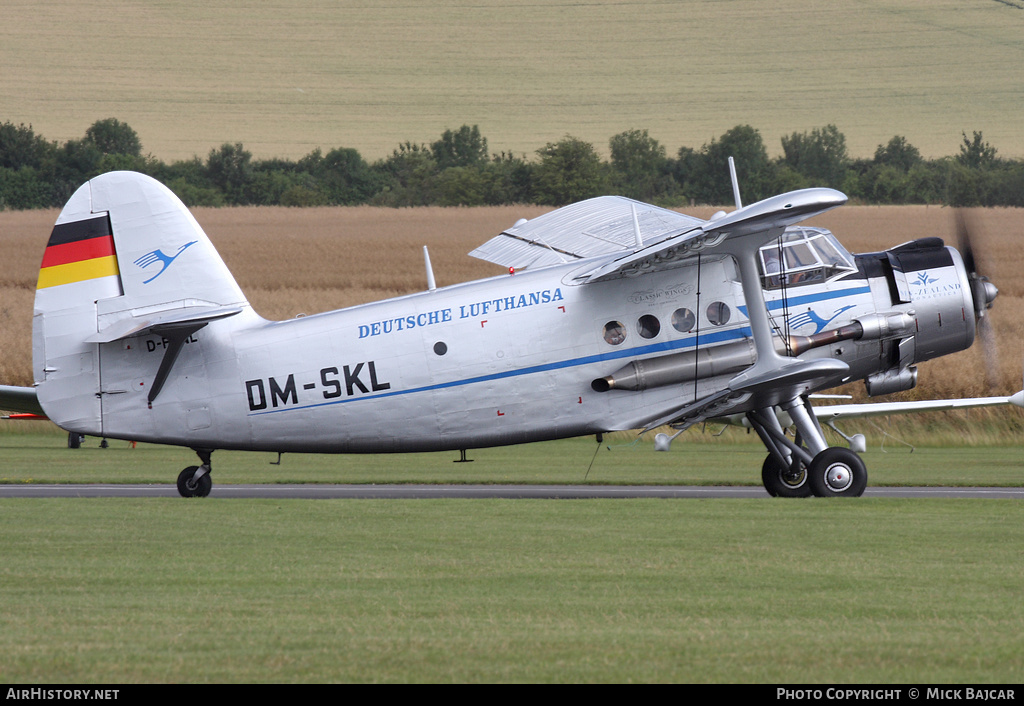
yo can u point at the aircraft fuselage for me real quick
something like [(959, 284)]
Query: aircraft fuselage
[(499, 361)]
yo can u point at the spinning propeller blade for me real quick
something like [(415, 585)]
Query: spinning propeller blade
[(983, 292)]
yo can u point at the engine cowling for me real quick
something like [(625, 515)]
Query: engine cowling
[(931, 277), (929, 281)]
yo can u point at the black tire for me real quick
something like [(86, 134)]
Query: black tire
[(781, 482), (189, 488), (838, 472), (75, 440)]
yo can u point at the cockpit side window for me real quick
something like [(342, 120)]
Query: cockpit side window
[(803, 256), (832, 254)]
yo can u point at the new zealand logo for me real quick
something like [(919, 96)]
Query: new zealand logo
[(923, 279), (810, 317), (159, 256)]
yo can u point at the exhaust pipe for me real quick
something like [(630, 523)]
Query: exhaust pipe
[(679, 367), (733, 357)]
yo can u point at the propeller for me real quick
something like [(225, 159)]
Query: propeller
[(983, 293), (982, 290)]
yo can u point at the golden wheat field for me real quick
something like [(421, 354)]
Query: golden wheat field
[(288, 76), (303, 261)]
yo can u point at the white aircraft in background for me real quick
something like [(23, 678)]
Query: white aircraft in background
[(615, 315)]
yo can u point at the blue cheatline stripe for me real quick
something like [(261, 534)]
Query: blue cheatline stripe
[(705, 338), (713, 337), (811, 298)]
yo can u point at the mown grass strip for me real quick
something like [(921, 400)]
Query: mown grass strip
[(877, 591), (37, 455)]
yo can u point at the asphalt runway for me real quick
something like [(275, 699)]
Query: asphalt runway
[(410, 491)]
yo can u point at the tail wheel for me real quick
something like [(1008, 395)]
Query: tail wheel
[(191, 487), (784, 482), (837, 472)]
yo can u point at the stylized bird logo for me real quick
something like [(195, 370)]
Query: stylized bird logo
[(810, 317), (923, 279), (159, 256)]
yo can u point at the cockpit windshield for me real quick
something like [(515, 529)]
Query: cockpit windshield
[(802, 256)]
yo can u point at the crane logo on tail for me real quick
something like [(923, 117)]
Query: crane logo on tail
[(159, 256)]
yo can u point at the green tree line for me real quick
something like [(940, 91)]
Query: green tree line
[(459, 170)]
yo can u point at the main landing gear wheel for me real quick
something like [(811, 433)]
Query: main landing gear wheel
[(783, 482), (191, 487), (837, 472)]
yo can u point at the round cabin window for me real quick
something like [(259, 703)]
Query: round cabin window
[(648, 326), (718, 313), (614, 333), (683, 320)]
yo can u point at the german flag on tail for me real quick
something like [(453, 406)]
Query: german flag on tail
[(80, 251)]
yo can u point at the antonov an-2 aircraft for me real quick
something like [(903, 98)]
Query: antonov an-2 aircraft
[(614, 315)]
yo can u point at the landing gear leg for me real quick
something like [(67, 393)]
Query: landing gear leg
[(784, 472), (784, 481), (806, 465), (195, 481)]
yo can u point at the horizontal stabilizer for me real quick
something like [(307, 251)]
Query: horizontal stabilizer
[(19, 399), (127, 328)]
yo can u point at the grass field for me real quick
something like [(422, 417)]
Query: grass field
[(807, 591), (289, 76), (870, 591)]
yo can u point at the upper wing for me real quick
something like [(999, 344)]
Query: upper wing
[(637, 237), (599, 226), (745, 229)]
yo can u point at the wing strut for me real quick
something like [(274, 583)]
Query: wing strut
[(768, 360), (735, 183), (431, 284)]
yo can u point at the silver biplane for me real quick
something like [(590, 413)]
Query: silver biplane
[(614, 315)]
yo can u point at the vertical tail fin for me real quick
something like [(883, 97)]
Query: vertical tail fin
[(124, 253)]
